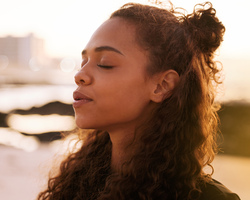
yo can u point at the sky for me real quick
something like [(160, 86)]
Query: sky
[(66, 25)]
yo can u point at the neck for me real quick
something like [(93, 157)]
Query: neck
[(120, 153), (122, 137)]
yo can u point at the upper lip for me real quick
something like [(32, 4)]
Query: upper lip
[(79, 96)]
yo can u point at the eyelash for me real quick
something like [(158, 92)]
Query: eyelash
[(105, 66)]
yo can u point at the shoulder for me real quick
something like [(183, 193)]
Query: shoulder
[(214, 190)]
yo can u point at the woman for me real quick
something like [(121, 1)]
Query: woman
[(146, 86)]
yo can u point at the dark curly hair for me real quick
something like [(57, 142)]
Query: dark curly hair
[(179, 138)]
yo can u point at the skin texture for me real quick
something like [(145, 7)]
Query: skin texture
[(119, 92)]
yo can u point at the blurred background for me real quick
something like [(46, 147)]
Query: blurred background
[(40, 51)]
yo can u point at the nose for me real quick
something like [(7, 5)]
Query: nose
[(82, 77)]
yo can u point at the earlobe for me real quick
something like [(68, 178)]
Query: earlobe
[(164, 84)]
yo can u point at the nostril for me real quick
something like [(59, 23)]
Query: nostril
[(79, 79), (82, 78)]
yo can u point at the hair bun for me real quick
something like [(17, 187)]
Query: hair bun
[(205, 28)]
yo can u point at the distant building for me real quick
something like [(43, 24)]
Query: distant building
[(24, 51), (23, 60)]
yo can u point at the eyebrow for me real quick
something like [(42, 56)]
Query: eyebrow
[(104, 48)]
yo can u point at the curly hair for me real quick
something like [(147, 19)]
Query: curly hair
[(179, 138)]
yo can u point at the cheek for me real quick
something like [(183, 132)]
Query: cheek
[(125, 97), (116, 102)]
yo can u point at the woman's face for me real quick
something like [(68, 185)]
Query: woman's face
[(113, 86)]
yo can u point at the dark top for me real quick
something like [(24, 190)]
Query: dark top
[(214, 190)]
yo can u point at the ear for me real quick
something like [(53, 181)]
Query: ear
[(164, 83)]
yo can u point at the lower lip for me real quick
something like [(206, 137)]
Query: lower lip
[(79, 103)]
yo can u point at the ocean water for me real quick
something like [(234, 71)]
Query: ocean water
[(28, 96)]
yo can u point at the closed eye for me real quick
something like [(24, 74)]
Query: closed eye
[(105, 66)]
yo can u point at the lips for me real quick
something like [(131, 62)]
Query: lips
[(80, 99)]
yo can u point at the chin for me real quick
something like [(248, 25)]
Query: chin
[(83, 124)]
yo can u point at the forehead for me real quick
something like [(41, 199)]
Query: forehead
[(115, 32)]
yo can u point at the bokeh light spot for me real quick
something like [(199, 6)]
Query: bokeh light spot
[(4, 61), (67, 65), (34, 64)]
